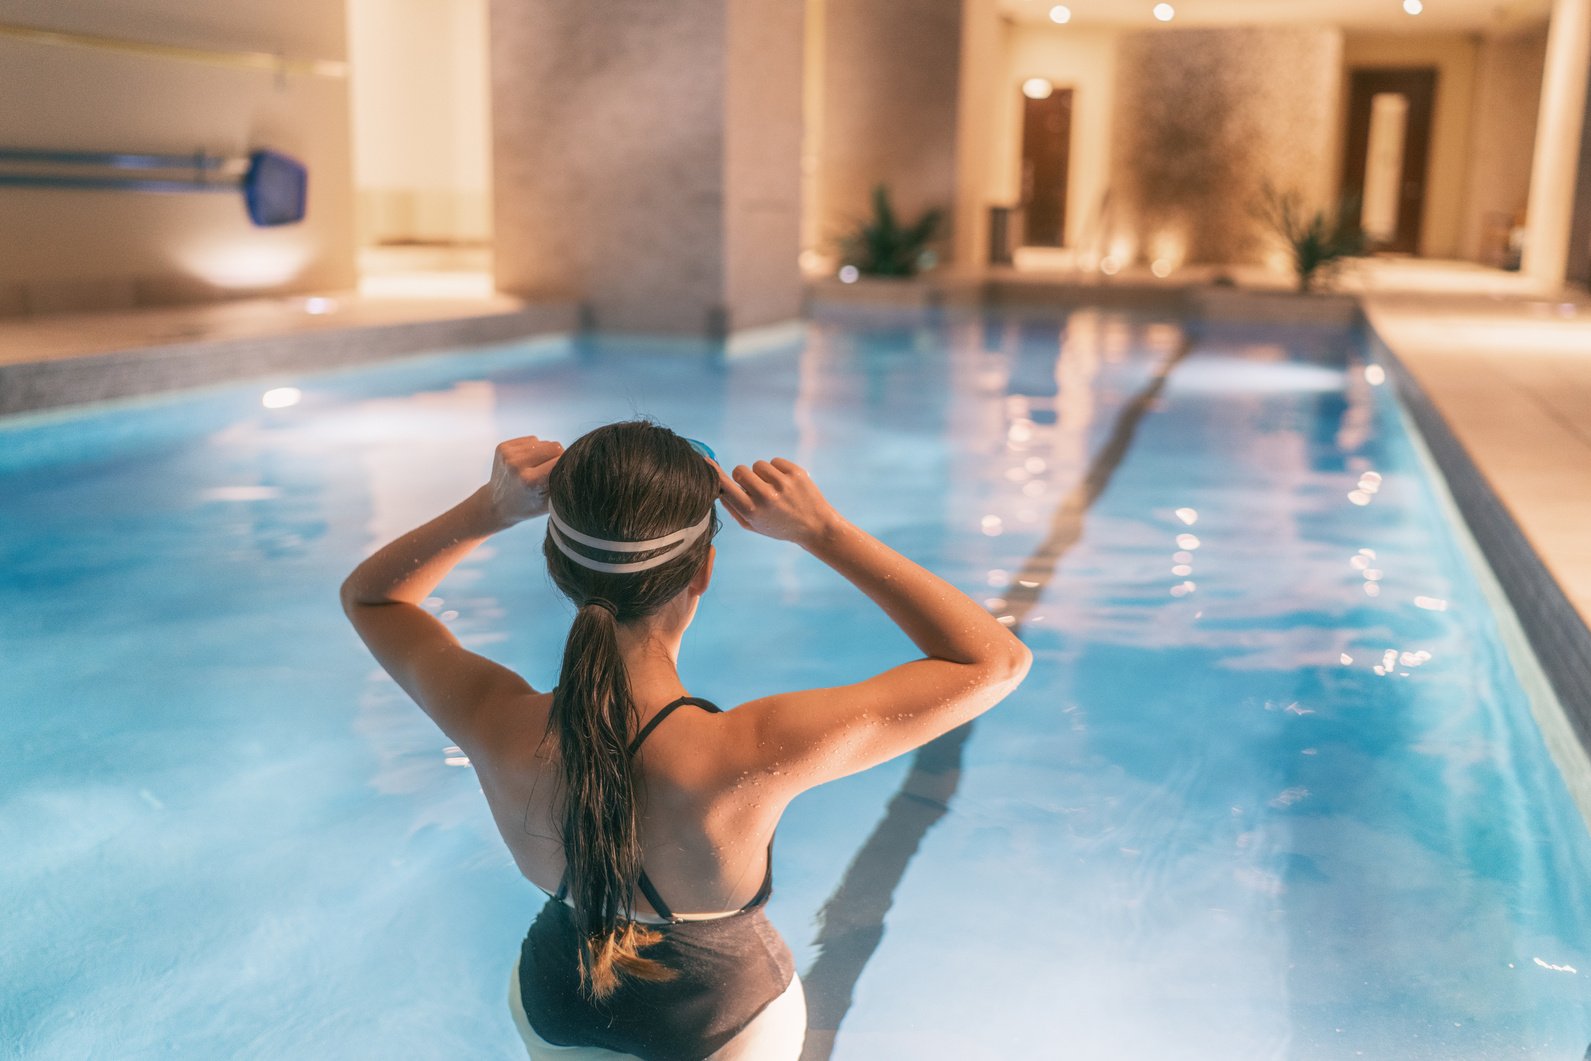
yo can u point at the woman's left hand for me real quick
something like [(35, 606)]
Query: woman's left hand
[(518, 486)]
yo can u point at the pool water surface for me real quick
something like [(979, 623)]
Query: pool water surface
[(1273, 788)]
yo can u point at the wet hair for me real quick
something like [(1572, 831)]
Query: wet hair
[(626, 482)]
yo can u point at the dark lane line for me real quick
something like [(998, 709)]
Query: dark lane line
[(851, 922)]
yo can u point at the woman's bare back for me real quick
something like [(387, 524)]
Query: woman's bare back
[(704, 831)]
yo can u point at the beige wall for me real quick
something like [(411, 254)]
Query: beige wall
[(1507, 96), (643, 152), (1453, 56), (421, 120), (1203, 118), (1083, 60), (66, 250), (890, 73)]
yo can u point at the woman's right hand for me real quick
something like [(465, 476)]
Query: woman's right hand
[(778, 499)]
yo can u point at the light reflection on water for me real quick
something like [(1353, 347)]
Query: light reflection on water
[(1271, 815)]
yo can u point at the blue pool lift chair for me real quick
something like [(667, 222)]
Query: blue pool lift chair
[(274, 185)]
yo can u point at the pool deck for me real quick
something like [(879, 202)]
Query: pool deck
[(1511, 376), (72, 359)]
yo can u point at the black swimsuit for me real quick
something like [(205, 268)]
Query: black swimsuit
[(728, 970)]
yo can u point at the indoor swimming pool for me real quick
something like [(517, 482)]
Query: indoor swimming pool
[(1274, 788)]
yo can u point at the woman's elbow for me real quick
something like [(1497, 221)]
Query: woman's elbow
[(1017, 664)]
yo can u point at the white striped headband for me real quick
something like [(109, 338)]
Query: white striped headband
[(673, 544)]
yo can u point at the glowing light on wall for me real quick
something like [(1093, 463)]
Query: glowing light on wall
[(1060, 14), (1413, 7), (1037, 88), (246, 263), (1165, 12), (280, 397)]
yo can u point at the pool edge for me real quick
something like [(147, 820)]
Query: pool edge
[(1543, 633)]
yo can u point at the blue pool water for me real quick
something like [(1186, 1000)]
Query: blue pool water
[(1273, 788)]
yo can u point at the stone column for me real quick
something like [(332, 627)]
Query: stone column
[(890, 73), (646, 159), (1558, 132)]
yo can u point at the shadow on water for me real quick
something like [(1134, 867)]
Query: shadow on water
[(851, 922)]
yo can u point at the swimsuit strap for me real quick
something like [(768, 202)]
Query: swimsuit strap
[(648, 889), (657, 719)]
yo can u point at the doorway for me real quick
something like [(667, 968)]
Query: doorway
[(1387, 151), (1046, 155), (421, 118)]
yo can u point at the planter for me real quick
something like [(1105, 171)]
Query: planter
[(1235, 304), (929, 291)]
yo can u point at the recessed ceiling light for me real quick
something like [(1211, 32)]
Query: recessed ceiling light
[(1060, 14), (1037, 88), (1413, 7), (1165, 12)]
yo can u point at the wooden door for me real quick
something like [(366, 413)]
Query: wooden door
[(1046, 154), (1388, 150)]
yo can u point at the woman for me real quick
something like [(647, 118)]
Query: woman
[(645, 814)]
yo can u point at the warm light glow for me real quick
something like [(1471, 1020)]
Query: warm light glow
[(1188, 516), (1431, 604), (1060, 14), (1109, 266), (1165, 12), (1037, 88), (318, 306), (1187, 541), (1375, 375), (262, 261), (1359, 497), (1161, 267), (280, 397), (1413, 7)]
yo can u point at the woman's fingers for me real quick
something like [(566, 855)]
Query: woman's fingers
[(735, 499), (770, 475), (754, 485), (788, 467)]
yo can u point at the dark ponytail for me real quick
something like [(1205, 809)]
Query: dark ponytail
[(625, 482)]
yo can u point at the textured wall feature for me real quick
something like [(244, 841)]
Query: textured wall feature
[(639, 152), (1203, 118), (890, 93)]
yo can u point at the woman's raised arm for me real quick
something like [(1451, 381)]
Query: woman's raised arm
[(382, 596), (970, 661)]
